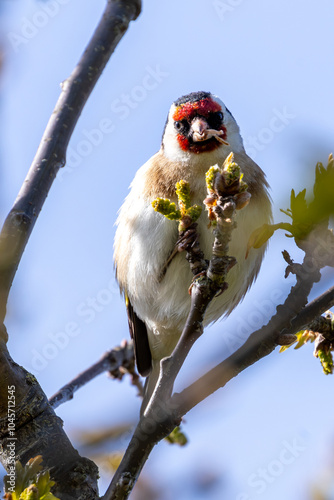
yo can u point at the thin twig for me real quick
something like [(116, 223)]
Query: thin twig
[(111, 361), (225, 188), (318, 306), (260, 343)]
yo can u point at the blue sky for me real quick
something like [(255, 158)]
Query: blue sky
[(272, 65)]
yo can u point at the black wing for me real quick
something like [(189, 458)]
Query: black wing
[(138, 332)]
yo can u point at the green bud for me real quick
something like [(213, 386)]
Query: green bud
[(194, 212), (166, 208), (231, 172), (183, 194), (210, 177), (177, 437), (326, 359)]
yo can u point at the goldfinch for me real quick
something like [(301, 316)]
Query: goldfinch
[(200, 132)]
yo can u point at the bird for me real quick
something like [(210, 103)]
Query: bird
[(199, 132)]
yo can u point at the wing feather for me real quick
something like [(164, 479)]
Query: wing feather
[(138, 332)]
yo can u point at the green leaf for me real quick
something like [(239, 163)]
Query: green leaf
[(44, 485), (30, 493), (30, 482), (260, 236), (306, 214), (302, 337), (263, 233), (298, 205), (177, 437), (322, 206), (286, 212)]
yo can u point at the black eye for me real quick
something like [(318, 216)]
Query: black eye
[(216, 119), (182, 126)]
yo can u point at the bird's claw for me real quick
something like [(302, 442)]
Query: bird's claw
[(188, 240)]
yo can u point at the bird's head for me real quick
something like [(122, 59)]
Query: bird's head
[(199, 123)]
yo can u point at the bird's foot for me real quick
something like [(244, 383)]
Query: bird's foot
[(188, 240)]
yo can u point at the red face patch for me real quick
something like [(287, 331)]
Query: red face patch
[(183, 142), (189, 110), (198, 147)]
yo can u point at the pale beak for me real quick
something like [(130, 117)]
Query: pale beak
[(202, 132), (199, 127)]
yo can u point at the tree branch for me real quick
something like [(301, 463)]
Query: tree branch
[(38, 430), (225, 186), (318, 306), (164, 412), (29, 427), (262, 342), (51, 154), (111, 361), (159, 419), (164, 415)]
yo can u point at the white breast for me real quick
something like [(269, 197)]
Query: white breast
[(144, 241)]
